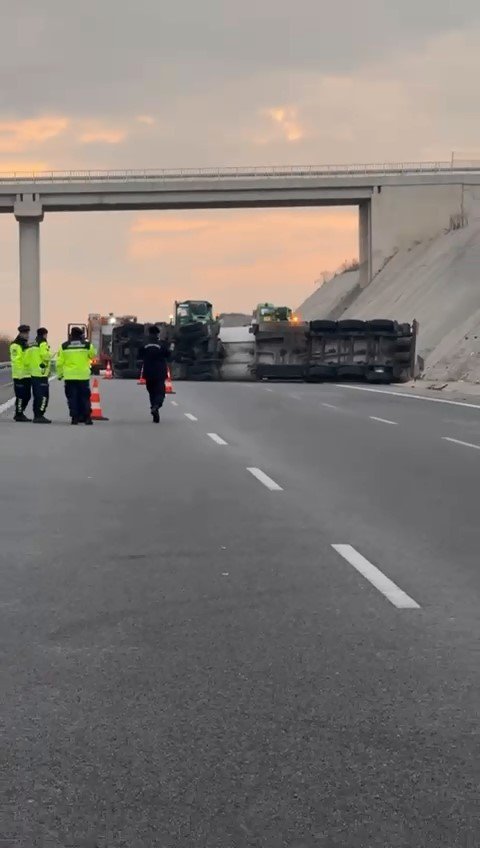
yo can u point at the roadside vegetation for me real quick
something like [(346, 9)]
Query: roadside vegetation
[(4, 348)]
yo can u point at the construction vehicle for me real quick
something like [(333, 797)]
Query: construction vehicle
[(280, 343), (378, 351), (268, 313), (197, 349)]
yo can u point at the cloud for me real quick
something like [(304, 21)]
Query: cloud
[(19, 136), (102, 135), (148, 120), (62, 55), (287, 120), (168, 226), (240, 238), (27, 166)]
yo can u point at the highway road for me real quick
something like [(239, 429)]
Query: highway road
[(253, 626)]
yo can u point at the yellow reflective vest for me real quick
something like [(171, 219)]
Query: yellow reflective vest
[(39, 358), (74, 360), (19, 358)]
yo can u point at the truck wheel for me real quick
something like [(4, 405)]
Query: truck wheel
[(351, 325), (382, 325), (322, 326)]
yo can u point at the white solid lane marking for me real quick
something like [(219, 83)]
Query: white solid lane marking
[(216, 438), (6, 405), (330, 405), (382, 420), (190, 416), (458, 442), (412, 397), (174, 403), (387, 587), (265, 479), (268, 389)]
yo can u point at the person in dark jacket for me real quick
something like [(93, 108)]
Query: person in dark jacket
[(155, 355)]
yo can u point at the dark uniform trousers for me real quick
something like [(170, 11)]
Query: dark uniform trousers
[(23, 393), (41, 395), (78, 398), (156, 391)]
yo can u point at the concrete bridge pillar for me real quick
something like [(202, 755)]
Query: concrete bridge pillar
[(365, 242), (29, 214)]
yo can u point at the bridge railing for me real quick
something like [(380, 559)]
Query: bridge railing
[(385, 169)]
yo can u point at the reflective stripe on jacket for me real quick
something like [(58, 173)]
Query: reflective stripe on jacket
[(19, 359), (39, 358), (74, 360)]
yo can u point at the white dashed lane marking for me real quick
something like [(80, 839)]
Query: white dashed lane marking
[(265, 479), (387, 587), (190, 416), (382, 420), (217, 439)]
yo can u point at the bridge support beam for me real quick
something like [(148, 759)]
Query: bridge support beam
[(365, 242), (29, 214)]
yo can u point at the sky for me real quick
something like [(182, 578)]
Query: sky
[(216, 83)]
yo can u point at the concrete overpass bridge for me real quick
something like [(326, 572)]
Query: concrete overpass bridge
[(398, 203)]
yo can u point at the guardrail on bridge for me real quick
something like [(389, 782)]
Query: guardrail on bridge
[(232, 172)]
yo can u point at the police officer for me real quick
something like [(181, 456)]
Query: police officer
[(22, 383), (74, 361), (155, 355), (40, 357)]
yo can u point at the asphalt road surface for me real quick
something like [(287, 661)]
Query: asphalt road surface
[(189, 662)]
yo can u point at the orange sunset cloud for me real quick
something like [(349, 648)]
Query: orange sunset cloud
[(19, 136), (275, 231), (103, 136), (17, 166), (287, 119)]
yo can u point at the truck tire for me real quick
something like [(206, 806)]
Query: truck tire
[(403, 344), (382, 325), (351, 325), (323, 326)]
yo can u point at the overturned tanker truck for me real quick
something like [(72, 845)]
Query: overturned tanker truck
[(378, 351)]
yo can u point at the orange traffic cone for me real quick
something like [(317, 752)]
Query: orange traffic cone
[(97, 414), (168, 384), (108, 372), (142, 381)]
